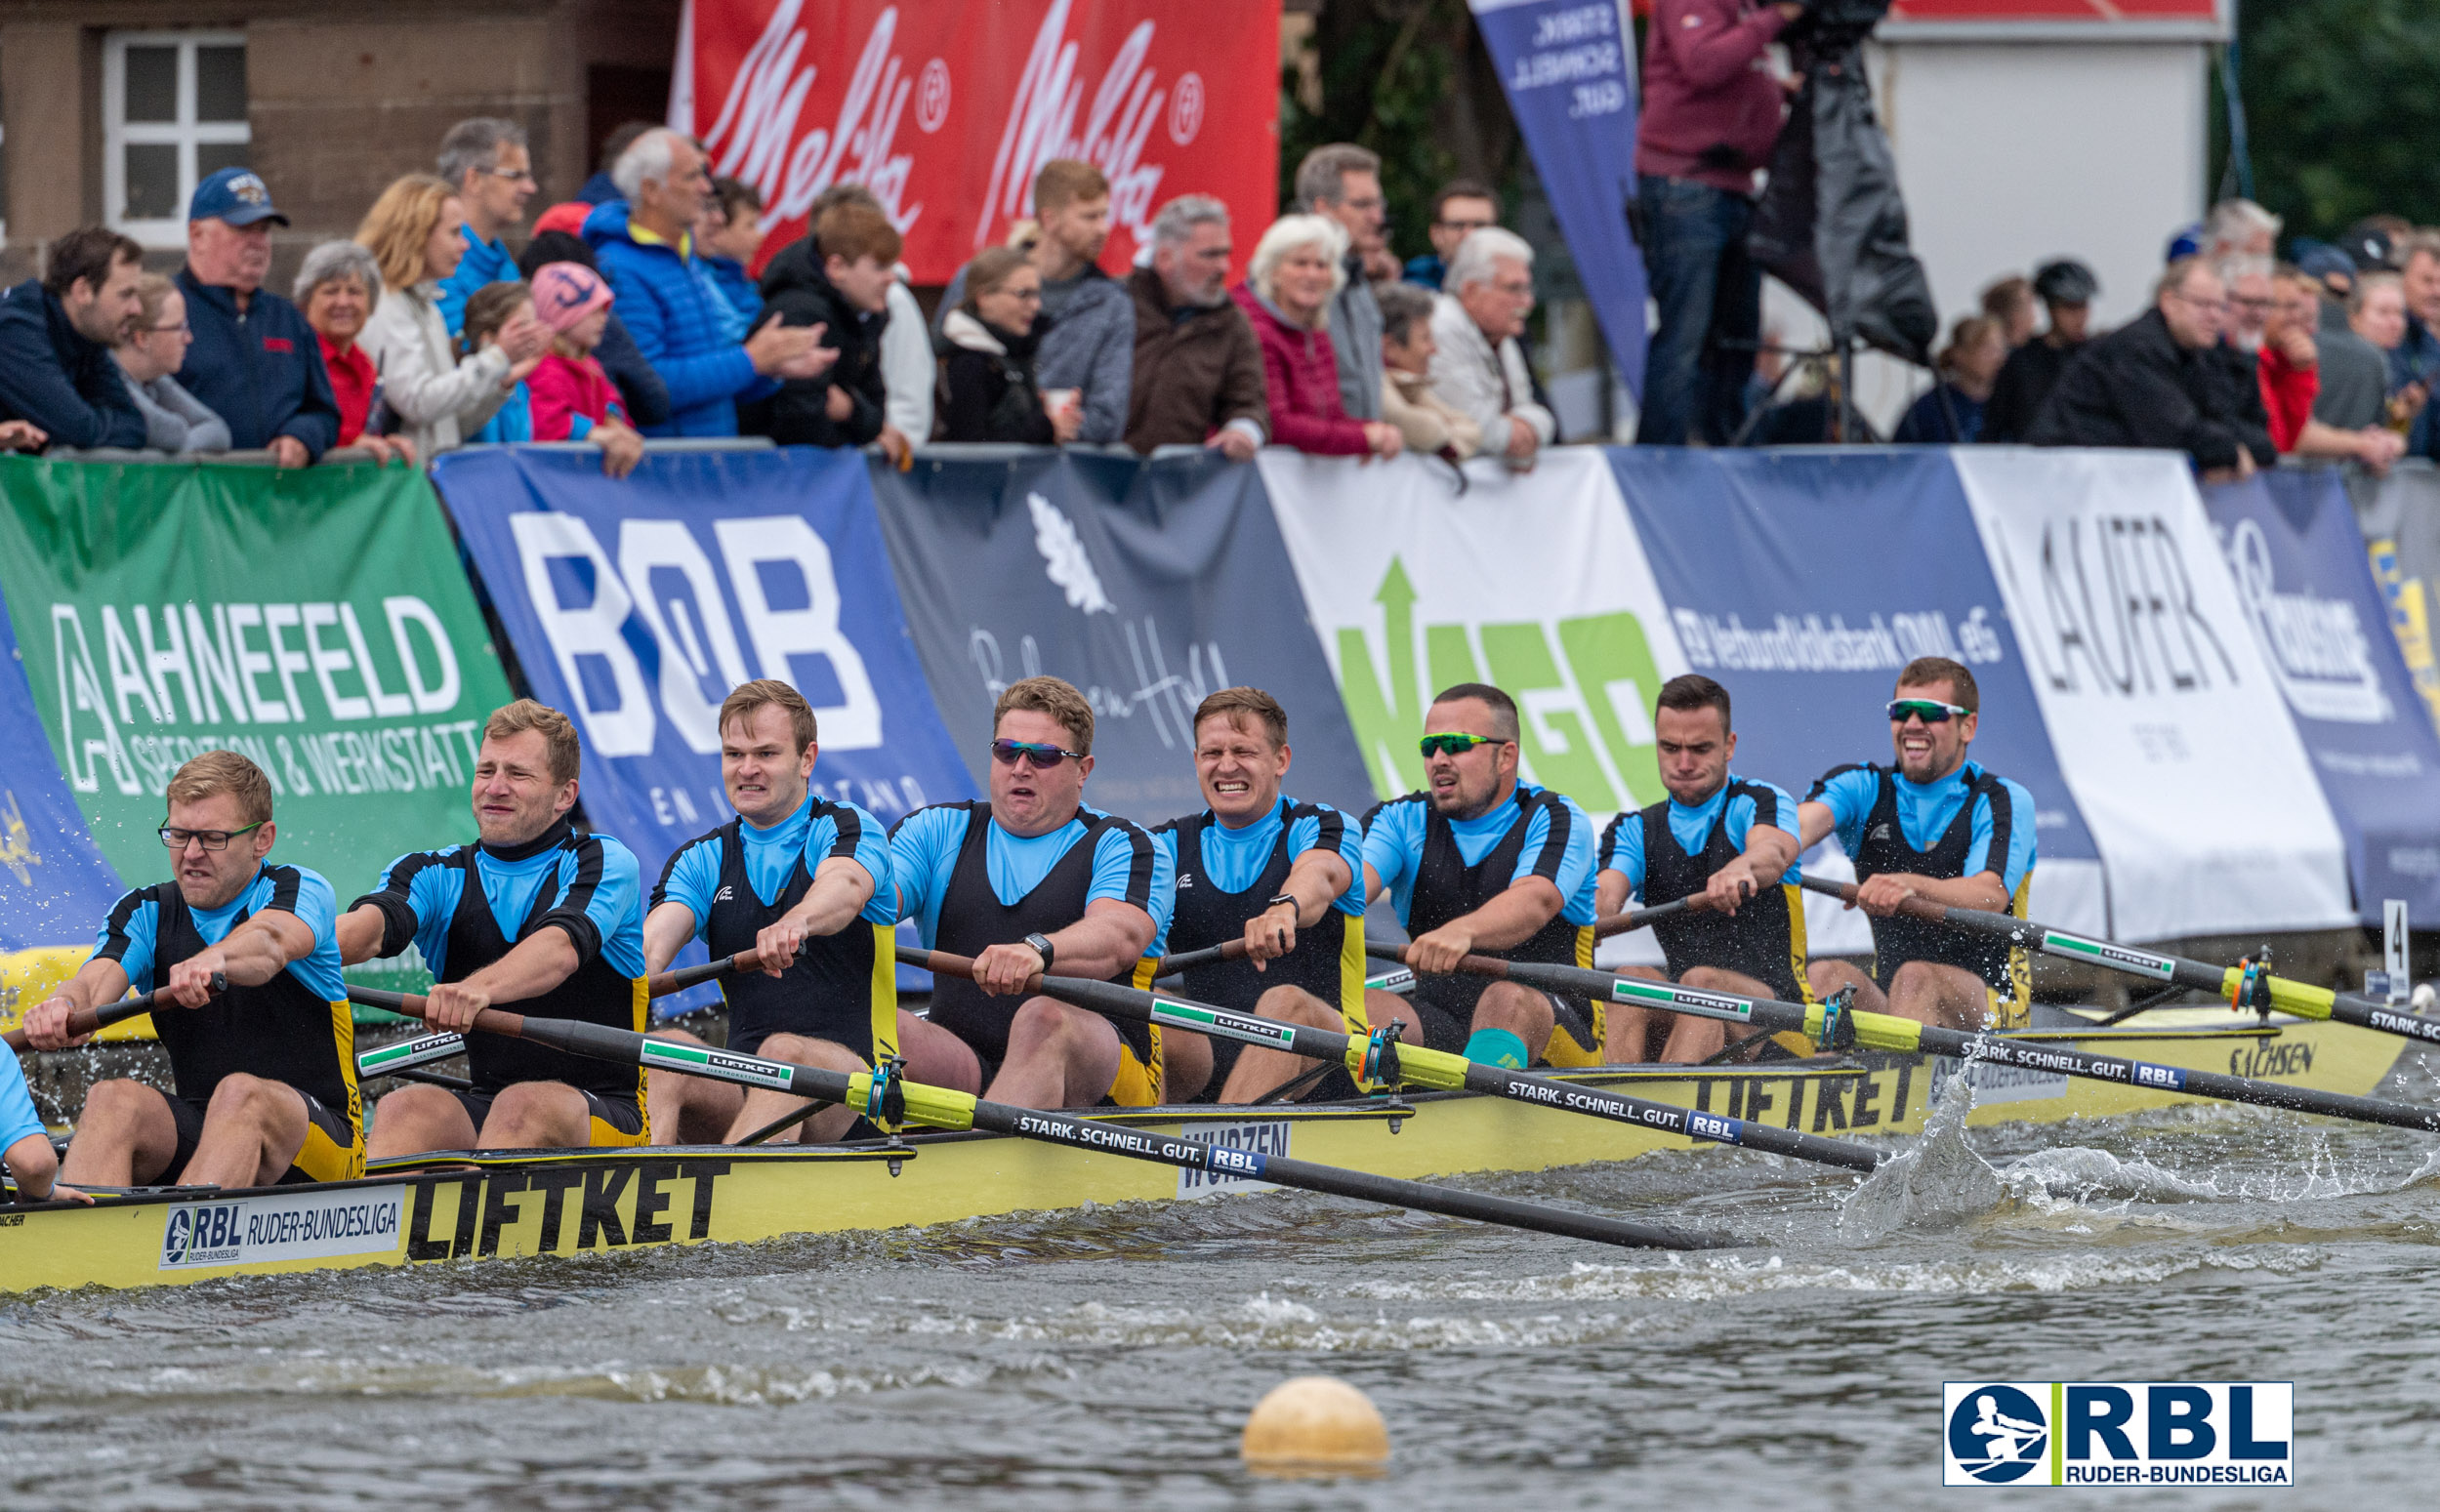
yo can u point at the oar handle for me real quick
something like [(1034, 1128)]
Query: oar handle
[(85, 1021), (1922, 908), (1635, 918), (744, 963), (1211, 955), (1472, 966), (490, 1021), (943, 963)]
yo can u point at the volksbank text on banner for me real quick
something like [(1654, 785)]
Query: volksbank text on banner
[(316, 621), (945, 109)]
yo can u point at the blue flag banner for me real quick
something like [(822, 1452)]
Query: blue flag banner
[(1148, 584), (1785, 584), (55, 886), (2298, 561), (1569, 69)]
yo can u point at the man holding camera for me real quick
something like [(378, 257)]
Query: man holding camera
[(1712, 112)]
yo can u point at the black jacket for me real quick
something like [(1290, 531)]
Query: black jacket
[(51, 375), (639, 389), (2025, 380), (993, 395), (2136, 386), (796, 292)]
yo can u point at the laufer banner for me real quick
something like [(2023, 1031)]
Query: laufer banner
[(1146, 584), (2166, 720), (945, 109), (316, 621)]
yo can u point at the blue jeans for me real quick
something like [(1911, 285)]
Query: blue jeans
[(1709, 295)]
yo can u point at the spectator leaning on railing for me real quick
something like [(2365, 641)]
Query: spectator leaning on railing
[(644, 244), (484, 160), (2291, 341), (255, 362), (1429, 424), (2066, 288), (987, 358), (1295, 271), (175, 420), (1462, 208), (2163, 380), (1480, 366), (838, 279), (337, 288), (1342, 183), (573, 398), (1199, 368), (413, 233), (2414, 359), (55, 335)]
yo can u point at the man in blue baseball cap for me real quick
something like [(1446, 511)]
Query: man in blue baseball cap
[(254, 361)]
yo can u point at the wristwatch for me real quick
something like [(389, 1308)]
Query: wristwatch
[(1287, 898), (1040, 945)]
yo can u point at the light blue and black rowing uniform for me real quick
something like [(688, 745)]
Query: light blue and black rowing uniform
[(740, 880), (1226, 875), (17, 1118), (969, 884), (1965, 824), (1439, 868), (586, 888), (1670, 851), (295, 1029)]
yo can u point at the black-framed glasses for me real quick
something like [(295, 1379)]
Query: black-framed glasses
[(1928, 710), (210, 839), (1007, 752), (1455, 744)]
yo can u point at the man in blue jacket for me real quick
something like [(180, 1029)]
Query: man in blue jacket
[(55, 335), (255, 362), (487, 162), (645, 244)]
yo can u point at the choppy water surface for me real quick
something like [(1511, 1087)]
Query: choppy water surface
[(1106, 1360)]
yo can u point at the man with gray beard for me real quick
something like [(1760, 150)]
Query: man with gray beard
[(1198, 373)]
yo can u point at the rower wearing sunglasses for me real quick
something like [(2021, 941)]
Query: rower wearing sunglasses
[(264, 1073), (1032, 881), (1483, 863), (1937, 825)]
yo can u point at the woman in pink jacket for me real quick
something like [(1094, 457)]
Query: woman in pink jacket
[(1296, 271)]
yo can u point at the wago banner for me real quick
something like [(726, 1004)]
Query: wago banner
[(1146, 584), (316, 621), (638, 604)]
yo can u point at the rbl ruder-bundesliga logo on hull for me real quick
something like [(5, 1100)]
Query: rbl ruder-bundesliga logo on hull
[(2118, 1433)]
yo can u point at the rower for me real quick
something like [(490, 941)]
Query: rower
[(1936, 825), (791, 873), (265, 1072), (25, 1144), (1483, 863), (536, 916), (1030, 882), (1278, 874), (1728, 842)]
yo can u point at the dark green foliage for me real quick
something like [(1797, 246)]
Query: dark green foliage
[(2342, 107)]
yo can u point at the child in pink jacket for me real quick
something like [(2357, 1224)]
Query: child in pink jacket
[(573, 399)]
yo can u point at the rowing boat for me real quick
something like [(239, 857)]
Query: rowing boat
[(505, 1205)]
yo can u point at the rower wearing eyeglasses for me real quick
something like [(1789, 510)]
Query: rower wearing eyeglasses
[(264, 1073), (1032, 881), (1931, 825), (1479, 862)]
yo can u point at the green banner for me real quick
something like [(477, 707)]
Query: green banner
[(316, 621)]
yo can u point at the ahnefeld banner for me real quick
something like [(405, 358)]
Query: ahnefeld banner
[(316, 621)]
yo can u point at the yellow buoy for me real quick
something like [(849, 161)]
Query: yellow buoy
[(1315, 1426)]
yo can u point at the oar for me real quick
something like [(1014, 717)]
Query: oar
[(85, 1021), (2246, 985), (938, 1107), (1400, 982), (1636, 918), (1843, 1029), (1419, 1065)]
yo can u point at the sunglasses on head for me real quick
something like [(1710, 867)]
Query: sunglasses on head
[(1928, 710), (1454, 744), (1009, 751)]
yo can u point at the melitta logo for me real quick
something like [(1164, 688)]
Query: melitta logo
[(2119, 1433)]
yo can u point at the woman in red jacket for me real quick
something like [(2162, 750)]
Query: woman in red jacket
[(1296, 271)]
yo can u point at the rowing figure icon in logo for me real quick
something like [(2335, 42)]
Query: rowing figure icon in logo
[(1998, 1434), (173, 1241)]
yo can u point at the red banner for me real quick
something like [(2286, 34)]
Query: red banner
[(945, 109)]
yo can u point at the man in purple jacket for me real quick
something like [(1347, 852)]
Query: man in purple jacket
[(1712, 112)]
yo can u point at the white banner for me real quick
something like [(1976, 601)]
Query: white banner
[(2168, 726)]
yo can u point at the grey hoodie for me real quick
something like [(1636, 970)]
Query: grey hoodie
[(1088, 342)]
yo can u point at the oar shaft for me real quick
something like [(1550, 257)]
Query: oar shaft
[(1636, 918), (663, 983), (85, 1021), (1421, 1064), (1210, 955)]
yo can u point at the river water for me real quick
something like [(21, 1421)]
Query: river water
[(1107, 1359)]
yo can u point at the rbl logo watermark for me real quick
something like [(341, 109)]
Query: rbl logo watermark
[(2118, 1433)]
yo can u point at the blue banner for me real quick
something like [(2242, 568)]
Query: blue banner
[(1569, 69), (2304, 584), (636, 605), (55, 886), (1148, 584)]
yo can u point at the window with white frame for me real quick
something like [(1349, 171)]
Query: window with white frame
[(174, 112)]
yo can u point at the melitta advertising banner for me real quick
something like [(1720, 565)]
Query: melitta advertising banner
[(2297, 560), (1146, 584), (2166, 717), (638, 604), (316, 621), (945, 109)]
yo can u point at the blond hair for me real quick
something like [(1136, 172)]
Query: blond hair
[(399, 226), (558, 736), (1055, 697), (768, 692), (1228, 702), (224, 771)]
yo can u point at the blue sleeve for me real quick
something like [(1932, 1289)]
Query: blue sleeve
[(127, 937), (1393, 841), (690, 879), (723, 373), (1848, 792), (17, 1118), (868, 845), (1129, 867), (601, 906), (1164, 845), (36, 386), (920, 848), (1307, 832), (2019, 822), (316, 424), (316, 905), (1776, 810), (1622, 851)]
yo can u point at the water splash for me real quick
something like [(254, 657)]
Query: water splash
[(1937, 1183)]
